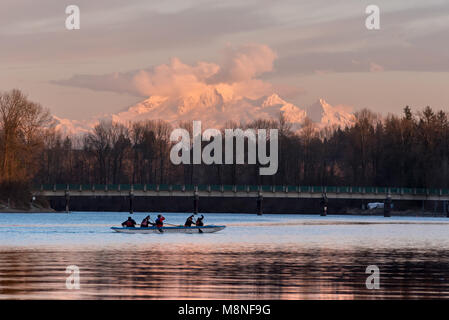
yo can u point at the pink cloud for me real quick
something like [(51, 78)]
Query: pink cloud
[(245, 62), (235, 77)]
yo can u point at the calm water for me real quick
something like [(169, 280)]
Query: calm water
[(267, 257)]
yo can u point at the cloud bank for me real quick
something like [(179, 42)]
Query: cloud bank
[(234, 77)]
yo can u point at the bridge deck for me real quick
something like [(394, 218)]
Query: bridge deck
[(332, 192)]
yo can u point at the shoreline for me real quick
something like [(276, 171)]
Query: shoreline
[(32, 209), (397, 213)]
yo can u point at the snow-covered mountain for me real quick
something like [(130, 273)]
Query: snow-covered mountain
[(215, 109), (324, 114), (73, 127)]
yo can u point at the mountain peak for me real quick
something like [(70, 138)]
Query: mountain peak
[(322, 101), (214, 110), (326, 114), (273, 100)]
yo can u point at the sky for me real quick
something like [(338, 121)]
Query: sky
[(126, 51)]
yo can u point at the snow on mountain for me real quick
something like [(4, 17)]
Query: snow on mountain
[(69, 127), (210, 107), (324, 114), (214, 109)]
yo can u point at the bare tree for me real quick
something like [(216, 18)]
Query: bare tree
[(21, 124)]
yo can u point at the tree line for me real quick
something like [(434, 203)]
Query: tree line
[(407, 150), (23, 124)]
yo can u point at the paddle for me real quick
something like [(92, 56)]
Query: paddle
[(154, 225), (170, 224)]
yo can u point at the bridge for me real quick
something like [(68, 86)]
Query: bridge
[(246, 191), (380, 194)]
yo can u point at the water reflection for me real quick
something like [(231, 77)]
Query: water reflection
[(227, 272)]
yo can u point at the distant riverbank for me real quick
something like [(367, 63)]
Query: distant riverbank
[(222, 205), (242, 205), (395, 213), (4, 208)]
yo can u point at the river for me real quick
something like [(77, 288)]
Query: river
[(255, 257)]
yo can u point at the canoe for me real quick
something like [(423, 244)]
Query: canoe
[(176, 229)]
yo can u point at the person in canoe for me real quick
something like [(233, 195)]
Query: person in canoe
[(145, 222), (159, 221), (189, 221), (199, 221), (130, 223)]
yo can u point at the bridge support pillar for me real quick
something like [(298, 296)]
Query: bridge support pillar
[(387, 207), (324, 205), (446, 208), (67, 201), (131, 202), (196, 200), (259, 204)]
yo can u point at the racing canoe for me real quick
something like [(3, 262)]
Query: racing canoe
[(169, 229)]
